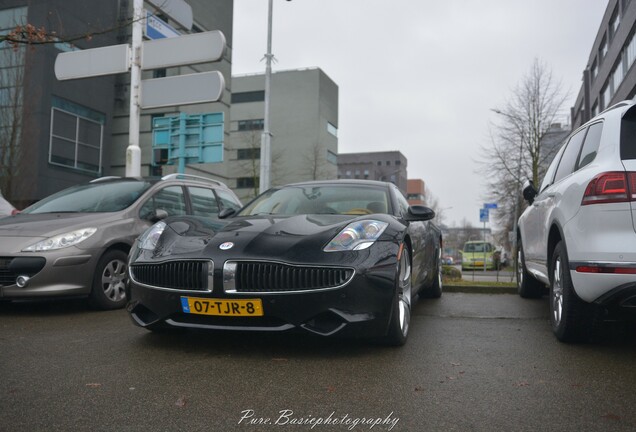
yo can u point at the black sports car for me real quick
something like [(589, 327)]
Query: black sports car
[(330, 257)]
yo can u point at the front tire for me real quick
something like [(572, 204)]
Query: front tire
[(571, 318), (109, 283), (401, 314), (527, 286)]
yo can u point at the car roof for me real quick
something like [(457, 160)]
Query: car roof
[(154, 180), (339, 182)]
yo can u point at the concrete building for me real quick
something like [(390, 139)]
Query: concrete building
[(388, 166), (303, 124), (609, 76), (54, 134)]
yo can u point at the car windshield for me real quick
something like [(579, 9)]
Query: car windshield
[(477, 247), (91, 198), (327, 199)]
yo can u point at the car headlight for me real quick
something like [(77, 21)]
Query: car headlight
[(357, 236), (61, 241), (148, 240)]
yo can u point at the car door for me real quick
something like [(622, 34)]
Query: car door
[(536, 220)]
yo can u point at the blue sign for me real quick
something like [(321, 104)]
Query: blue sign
[(483, 215), (490, 206), (156, 28)]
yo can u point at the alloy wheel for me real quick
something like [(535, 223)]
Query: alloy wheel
[(404, 294), (114, 280), (557, 293)]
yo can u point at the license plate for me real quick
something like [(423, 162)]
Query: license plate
[(222, 307)]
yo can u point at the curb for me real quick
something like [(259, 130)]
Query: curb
[(481, 289)]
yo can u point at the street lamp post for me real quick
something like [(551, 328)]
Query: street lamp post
[(266, 163)]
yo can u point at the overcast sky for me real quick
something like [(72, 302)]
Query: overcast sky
[(421, 76)]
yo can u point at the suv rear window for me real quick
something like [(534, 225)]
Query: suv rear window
[(628, 134)]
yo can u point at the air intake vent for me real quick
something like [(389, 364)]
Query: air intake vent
[(259, 277), (179, 275)]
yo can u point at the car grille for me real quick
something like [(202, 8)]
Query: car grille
[(259, 277), (11, 268), (179, 275)]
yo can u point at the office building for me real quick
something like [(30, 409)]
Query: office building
[(387, 166), (609, 76)]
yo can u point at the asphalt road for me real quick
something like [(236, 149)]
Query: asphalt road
[(472, 363)]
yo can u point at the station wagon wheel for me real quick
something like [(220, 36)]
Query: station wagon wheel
[(109, 282), (401, 314), (572, 319)]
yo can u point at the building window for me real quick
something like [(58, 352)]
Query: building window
[(332, 157), (398, 162), (248, 154), (246, 182), (251, 96), (594, 110), (379, 163), (606, 96), (159, 73), (249, 125), (630, 52), (388, 163), (614, 22), (348, 173), (593, 71), (602, 51), (76, 137), (332, 129)]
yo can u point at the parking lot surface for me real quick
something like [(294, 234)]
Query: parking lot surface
[(472, 362)]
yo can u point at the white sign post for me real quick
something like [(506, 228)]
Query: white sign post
[(161, 53)]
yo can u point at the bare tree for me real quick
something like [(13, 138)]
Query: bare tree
[(315, 163), (517, 151)]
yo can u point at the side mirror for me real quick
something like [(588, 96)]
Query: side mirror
[(529, 191), (226, 212), (419, 213)]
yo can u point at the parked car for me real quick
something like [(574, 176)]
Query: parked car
[(475, 253), (76, 242), (577, 235), (331, 257)]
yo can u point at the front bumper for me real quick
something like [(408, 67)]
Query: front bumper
[(362, 307), (54, 274)]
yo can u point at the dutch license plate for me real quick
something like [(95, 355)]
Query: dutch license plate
[(222, 307)]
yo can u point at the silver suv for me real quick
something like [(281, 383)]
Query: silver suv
[(578, 234), (76, 242)]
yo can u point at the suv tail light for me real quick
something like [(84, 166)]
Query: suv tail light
[(611, 187)]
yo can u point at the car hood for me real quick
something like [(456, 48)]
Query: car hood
[(49, 224), (289, 238)]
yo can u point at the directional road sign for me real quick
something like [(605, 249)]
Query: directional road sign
[(187, 49), (490, 206), (182, 89), (93, 62)]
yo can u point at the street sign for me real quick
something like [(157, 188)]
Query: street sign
[(156, 28), (178, 10), (93, 62), (182, 89), (483, 215), (186, 49), (490, 206)]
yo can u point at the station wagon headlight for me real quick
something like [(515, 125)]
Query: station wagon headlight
[(357, 236), (61, 241), (149, 239)]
